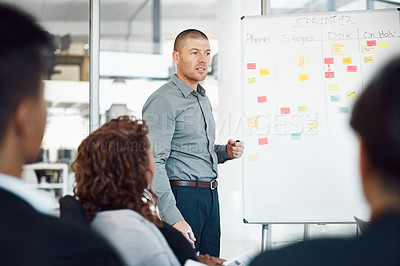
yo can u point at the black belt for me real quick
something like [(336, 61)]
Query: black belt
[(184, 183)]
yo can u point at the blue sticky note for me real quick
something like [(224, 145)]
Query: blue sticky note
[(335, 98), (344, 110), (295, 136)]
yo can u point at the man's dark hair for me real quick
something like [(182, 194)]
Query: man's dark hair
[(187, 34), (23, 46), (376, 118)]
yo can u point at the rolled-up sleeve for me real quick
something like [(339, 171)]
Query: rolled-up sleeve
[(222, 155)]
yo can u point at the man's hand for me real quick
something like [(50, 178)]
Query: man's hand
[(234, 149), (183, 227)]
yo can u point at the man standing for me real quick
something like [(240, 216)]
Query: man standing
[(29, 235), (182, 130)]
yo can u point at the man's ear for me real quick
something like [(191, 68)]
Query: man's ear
[(22, 117), (175, 57)]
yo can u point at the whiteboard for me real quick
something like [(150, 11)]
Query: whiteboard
[(300, 77)]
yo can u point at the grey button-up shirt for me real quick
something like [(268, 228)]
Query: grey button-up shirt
[(182, 131)]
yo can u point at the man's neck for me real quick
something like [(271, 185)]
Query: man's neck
[(10, 159), (190, 83)]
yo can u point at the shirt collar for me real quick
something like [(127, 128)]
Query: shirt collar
[(40, 200), (186, 89)]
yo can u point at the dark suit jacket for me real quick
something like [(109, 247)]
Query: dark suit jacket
[(28, 237), (380, 245)]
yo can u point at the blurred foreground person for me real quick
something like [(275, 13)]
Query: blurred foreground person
[(28, 235), (376, 120)]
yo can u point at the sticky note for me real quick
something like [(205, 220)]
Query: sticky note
[(251, 80), (344, 110), (347, 60), (264, 72), (304, 77), (295, 136), (339, 48), (335, 98), (351, 68), (368, 49), (328, 60), (383, 45), (303, 60), (313, 125), (253, 157), (350, 94), (262, 141), (329, 75), (371, 43), (332, 87), (262, 99), (368, 59), (302, 109), (285, 110), (251, 65), (253, 122)]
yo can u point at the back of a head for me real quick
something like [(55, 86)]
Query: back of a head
[(22, 49), (376, 118), (187, 34)]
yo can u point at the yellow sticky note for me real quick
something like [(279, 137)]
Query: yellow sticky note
[(251, 80), (368, 49), (332, 87), (347, 60), (253, 157), (350, 94), (313, 125), (303, 60), (339, 48), (253, 122), (304, 77), (368, 59), (264, 72), (383, 45), (302, 109)]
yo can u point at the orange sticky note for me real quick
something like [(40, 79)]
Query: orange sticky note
[(347, 60), (371, 43), (251, 65), (262, 99), (304, 77), (264, 72), (285, 110), (328, 60), (351, 68), (329, 74), (262, 141)]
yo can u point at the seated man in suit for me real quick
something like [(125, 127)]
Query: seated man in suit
[(28, 234), (376, 120)]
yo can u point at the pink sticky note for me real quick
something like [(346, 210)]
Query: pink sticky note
[(263, 141), (351, 68), (329, 60), (262, 99), (251, 65), (329, 75), (371, 43), (285, 110)]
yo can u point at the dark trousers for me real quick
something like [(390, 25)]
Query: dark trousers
[(200, 208)]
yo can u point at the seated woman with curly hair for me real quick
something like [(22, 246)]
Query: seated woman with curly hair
[(113, 170)]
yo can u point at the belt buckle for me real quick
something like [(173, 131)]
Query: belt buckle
[(213, 184)]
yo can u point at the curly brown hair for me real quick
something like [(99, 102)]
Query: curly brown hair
[(112, 169)]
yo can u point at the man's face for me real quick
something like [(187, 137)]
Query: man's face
[(192, 60)]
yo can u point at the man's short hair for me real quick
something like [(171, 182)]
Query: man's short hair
[(376, 118), (187, 34), (23, 46)]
